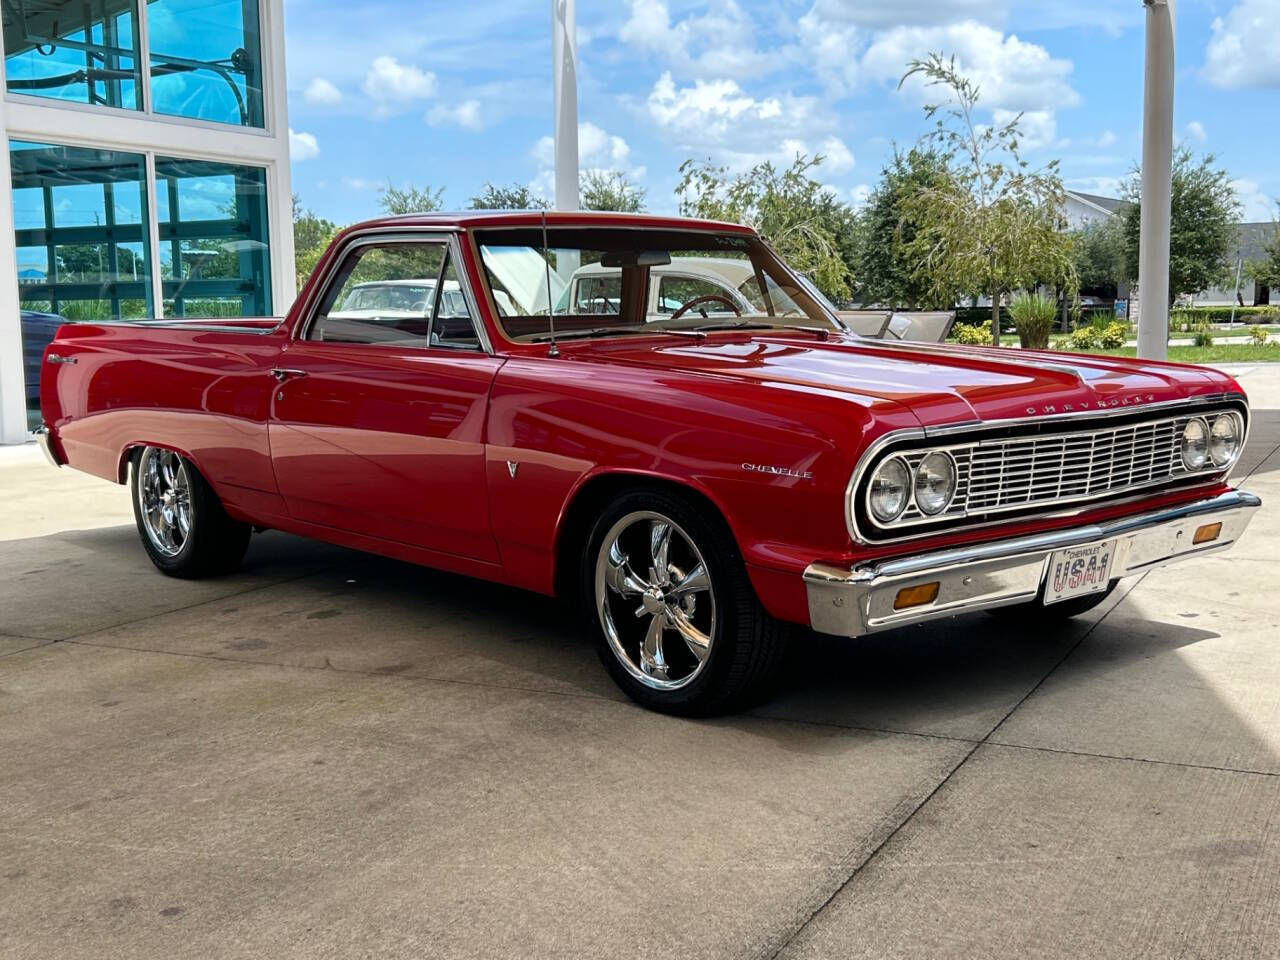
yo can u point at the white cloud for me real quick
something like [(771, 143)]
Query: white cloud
[(322, 93), (1011, 74), (362, 183), (302, 146), (884, 14), (1037, 129), (1196, 131), (1256, 205), (860, 194), (718, 43), (1107, 139), (466, 114), (394, 85), (719, 118), (1244, 49), (596, 148)]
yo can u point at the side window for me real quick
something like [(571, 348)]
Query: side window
[(387, 293), (599, 294), (674, 292)]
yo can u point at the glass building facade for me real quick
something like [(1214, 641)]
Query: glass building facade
[(154, 226)]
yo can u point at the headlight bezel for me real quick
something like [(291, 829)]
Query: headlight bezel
[(953, 473), (1237, 440), (907, 488), (1194, 466)]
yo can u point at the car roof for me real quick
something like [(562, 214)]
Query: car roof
[(467, 219)]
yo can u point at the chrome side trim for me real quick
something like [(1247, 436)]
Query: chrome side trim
[(854, 602), (870, 458)]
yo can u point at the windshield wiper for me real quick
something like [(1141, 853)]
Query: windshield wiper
[(736, 325), (579, 334)]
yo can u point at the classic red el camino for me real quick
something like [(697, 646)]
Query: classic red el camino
[(694, 480)]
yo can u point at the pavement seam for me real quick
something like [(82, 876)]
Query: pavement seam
[(34, 646), (1258, 466), (1111, 756), (330, 668), (777, 952), (190, 606)]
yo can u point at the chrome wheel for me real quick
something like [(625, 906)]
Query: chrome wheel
[(655, 601), (164, 499)]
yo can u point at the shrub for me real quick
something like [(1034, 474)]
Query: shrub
[(1113, 335), (1083, 339), (1257, 335), (1183, 316), (970, 334), (1201, 335), (1033, 318)]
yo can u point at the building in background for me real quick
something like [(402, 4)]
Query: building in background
[(147, 145)]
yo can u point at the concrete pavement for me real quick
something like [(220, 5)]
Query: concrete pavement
[(331, 754)]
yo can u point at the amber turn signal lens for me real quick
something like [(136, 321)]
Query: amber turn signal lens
[(1207, 534), (916, 596)]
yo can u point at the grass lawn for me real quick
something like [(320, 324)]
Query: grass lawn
[(1218, 353)]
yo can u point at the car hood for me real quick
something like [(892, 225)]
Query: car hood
[(940, 384)]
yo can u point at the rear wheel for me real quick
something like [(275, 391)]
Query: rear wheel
[(677, 622), (182, 524)]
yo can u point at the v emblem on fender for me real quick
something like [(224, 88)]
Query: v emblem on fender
[(512, 467)]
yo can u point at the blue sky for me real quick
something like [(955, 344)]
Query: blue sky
[(455, 94)]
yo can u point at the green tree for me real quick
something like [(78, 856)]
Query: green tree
[(1098, 254), (994, 225), (609, 190), (885, 269), (311, 237), (517, 196), (1267, 270), (410, 199), (798, 216), (1204, 212)]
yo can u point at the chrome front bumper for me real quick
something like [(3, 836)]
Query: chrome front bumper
[(42, 438), (854, 602)]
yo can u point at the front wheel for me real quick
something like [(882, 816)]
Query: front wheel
[(677, 622), (183, 526)]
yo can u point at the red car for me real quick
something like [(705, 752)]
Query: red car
[(694, 481)]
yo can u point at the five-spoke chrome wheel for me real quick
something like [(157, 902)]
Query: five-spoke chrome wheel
[(655, 600), (164, 500)]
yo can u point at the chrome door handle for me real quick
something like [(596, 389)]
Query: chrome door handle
[(284, 373), (57, 358)]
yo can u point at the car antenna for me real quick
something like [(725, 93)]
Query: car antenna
[(553, 351)]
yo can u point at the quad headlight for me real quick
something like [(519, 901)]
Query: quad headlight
[(1195, 444), (890, 490), (1224, 440), (935, 483)]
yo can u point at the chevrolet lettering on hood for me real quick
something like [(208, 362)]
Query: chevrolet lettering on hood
[(1089, 405)]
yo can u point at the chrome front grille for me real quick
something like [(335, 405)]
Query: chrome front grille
[(1046, 470)]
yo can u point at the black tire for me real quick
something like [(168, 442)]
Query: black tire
[(747, 644), (1037, 612), (213, 544)]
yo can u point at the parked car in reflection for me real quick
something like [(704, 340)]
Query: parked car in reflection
[(38, 331), (718, 285)]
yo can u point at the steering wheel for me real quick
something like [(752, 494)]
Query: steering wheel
[(706, 298)]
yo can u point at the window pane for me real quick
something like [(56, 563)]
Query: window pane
[(384, 294), (213, 238), (675, 292), (81, 243), (206, 60), (80, 50), (452, 326)]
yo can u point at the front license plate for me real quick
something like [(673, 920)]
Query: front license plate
[(1079, 571)]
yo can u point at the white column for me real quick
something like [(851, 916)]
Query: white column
[(13, 394), (564, 57), (284, 285), (1157, 176)]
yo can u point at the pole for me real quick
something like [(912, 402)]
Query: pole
[(564, 55), (1236, 298), (1157, 181)]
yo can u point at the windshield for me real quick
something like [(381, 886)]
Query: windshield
[(608, 281)]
